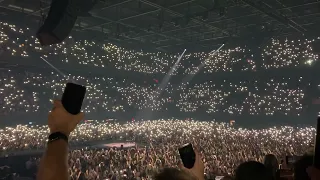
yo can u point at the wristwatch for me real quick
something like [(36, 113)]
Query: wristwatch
[(56, 136)]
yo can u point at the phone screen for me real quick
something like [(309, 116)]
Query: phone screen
[(72, 98), (187, 155), (290, 160), (219, 177)]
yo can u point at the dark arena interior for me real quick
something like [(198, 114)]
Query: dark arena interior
[(236, 78)]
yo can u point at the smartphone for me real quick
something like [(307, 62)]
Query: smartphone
[(219, 177), (72, 98), (290, 160), (316, 157), (187, 155)]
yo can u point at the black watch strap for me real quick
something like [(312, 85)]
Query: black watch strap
[(56, 136)]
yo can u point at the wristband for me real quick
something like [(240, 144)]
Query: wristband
[(56, 136)]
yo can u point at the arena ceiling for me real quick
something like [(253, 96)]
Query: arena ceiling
[(172, 24)]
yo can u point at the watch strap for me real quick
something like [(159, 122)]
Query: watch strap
[(56, 136)]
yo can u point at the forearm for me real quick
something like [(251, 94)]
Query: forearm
[(54, 163)]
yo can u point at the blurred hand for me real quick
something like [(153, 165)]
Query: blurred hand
[(313, 173), (198, 168), (60, 120)]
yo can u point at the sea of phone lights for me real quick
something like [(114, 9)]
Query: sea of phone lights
[(218, 142), (25, 91)]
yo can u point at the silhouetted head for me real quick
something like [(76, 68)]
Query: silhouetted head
[(272, 164), (300, 167), (252, 170)]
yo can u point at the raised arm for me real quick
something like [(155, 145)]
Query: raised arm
[(54, 163)]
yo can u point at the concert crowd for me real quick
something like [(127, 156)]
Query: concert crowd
[(32, 92), (19, 41), (222, 146), (216, 141)]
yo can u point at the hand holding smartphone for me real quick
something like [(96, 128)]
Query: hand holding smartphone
[(192, 161), (73, 97), (188, 156)]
